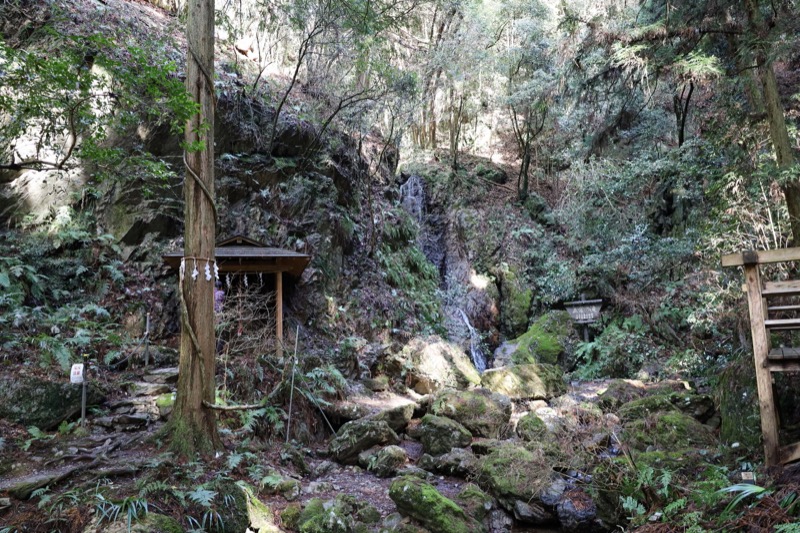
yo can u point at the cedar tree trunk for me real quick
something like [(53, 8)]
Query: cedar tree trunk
[(194, 426)]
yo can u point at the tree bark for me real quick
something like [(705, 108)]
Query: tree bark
[(193, 426)]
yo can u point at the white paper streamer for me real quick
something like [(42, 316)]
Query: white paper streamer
[(208, 271), (195, 272)]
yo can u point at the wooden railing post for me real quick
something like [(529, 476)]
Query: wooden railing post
[(766, 401)]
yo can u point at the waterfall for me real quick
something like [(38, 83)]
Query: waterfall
[(412, 194), (475, 352)]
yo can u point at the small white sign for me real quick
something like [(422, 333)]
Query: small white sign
[(76, 375)]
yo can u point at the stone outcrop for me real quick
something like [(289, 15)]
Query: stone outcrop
[(483, 412), (526, 382), (359, 435), (422, 502)]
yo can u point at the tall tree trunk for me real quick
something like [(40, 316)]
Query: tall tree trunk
[(777, 122), (194, 426)]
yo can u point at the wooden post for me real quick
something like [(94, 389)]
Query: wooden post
[(279, 312), (766, 401)]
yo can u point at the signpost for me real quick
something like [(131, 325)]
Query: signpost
[(77, 375)]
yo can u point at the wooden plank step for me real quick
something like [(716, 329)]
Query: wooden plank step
[(783, 308), (783, 365), (781, 288), (780, 354), (782, 323)]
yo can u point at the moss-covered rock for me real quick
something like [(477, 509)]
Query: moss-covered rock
[(483, 412), (439, 434), (515, 300), (546, 340), (344, 514), (619, 392), (358, 435), (457, 462), (698, 406), (243, 510), (531, 428), (432, 364), (33, 401), (422, 502), (537, 382), (669, 430), (738, 405), (397, 417), (290, 517), (475, 502), (165, 402), (514, 473), (383, 462)]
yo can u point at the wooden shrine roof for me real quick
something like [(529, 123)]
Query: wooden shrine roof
[(240, 254)]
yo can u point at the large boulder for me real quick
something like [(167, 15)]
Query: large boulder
[(546, 341), (619, 392), (358, 435), (439, 434), (433, 364), (34, 401), (483, 412), (421, 501), (513, 473), (383, 462), (698, 406), (520, 382), (670, 430), (396, 417), (457, 462)]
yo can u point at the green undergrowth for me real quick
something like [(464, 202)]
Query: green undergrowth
[(59, 282)]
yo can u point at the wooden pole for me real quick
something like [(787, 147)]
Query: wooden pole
[(766, 400), (279, 312)]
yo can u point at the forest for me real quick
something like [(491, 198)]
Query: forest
[(401, 266)]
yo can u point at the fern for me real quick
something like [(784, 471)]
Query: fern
[(202, 496), (271, 480), (632, 505), (99, 312), (674, 507)]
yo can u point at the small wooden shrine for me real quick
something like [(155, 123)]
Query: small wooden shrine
[(241, 255), (774, 306), (584, 312)]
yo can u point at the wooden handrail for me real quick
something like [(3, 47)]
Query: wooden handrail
[(760, 257)]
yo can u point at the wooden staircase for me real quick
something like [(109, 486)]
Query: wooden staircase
[(769, 311)]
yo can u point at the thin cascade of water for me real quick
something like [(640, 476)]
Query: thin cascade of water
[(412, 195), (475, 352)]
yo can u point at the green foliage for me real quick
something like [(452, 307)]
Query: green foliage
[(201, 496), (129, 509), (57, 505), (72, 93), (624, 345), (409, 271), (36, 436), (55, 280)]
